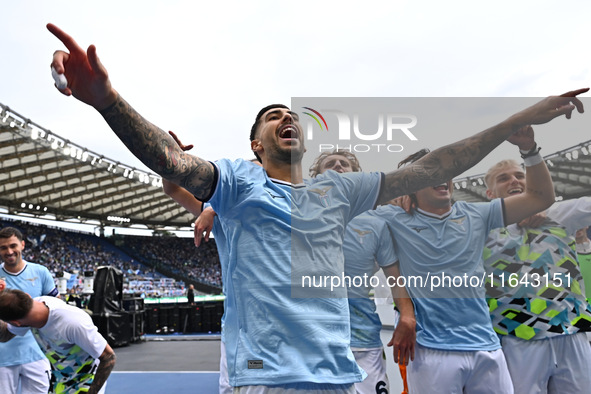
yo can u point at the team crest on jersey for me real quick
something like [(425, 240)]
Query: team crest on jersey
[(32, 280), (322, 195), (459, 222), (418, 229), (361, 234)]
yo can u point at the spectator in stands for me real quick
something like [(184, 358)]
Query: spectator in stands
[(73, 297)]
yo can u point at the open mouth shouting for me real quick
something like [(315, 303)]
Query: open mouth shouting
[(514, 191), (442, 187), (288, 132)]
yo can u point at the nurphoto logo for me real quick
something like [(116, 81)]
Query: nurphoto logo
[(377, 134)]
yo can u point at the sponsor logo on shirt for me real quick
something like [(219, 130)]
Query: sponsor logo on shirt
[(274, 195)]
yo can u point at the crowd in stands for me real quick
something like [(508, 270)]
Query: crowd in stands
[(76, 253), (181, 256)]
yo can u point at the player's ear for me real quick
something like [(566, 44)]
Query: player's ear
[(15, 323), (256, 146)]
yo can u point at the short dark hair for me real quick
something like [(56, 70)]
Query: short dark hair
[(8, 232), (14, 304), (253, 129), (409, 160)]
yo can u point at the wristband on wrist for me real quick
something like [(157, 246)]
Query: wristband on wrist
[(532, 152), (533, 160)]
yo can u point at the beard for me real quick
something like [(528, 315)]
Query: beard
[(288, 156)]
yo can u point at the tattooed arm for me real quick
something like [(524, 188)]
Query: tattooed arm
[(88, 81), (5, 335), (107, 363), (158, 150), (445, 163)]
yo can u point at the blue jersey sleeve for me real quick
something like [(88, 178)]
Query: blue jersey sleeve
[(362, 189), (48, 284), (232, 178)]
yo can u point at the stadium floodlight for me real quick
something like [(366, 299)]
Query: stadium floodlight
[(156, 182), (118, 219)]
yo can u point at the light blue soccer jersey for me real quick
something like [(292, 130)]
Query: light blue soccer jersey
[(36, 281), (368, 246), (272, 337), (222, 247), (430, 246), (221, 243)]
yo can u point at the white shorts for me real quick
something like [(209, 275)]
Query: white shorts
[(225, 387), (373, 362), (557, 365), (298, 388), (451, 372), (34, 378)]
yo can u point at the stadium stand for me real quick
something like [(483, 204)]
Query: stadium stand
[(147, 263)]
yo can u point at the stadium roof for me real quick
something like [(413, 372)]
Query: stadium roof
[(44, 175)]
